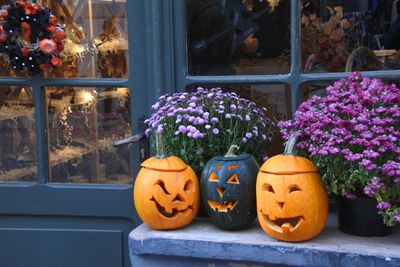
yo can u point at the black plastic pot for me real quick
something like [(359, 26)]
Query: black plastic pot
[(360, 217)]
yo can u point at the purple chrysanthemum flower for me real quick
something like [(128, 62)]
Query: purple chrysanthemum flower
[(182, 129), (368, 191), (349, 195), (194, 119), (160, 128), (147, 132), (214, 120), (383, 205), (353, 130)]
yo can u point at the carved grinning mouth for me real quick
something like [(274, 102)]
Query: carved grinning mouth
[(174, 212), (226, 206), (283, 224)]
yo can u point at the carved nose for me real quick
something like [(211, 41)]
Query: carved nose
[(280, 204), (221, 191)]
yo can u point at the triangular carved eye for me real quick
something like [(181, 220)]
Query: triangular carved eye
[(234, 179), (294, 188), (268, 187), (213, 177)]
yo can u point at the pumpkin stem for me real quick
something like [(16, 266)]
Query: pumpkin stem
[(230, 151), (289, 147), (160, 149)]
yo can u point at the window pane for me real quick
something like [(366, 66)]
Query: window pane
[(276, 98), (310, 89), (96, 40), (238, 37), (18, 159), (82, 123), (350, 35)]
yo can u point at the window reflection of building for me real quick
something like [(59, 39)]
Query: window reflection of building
[(347, 25), (262, 48), (273, 39), (206, 19), (88, 24), (17, 127), (111, 51)]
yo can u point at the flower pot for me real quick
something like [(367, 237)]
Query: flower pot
[(360, 217)]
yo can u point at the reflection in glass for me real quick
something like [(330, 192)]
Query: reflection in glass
[(82, 123), (97, 42), (18, 159), (96, 45), (276, 98), (238, 37), (310, 89), (350, 35)]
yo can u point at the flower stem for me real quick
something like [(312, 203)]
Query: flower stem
[(289, 147), (160, 146)]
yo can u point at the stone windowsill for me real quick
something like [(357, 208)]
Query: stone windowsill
[(202, 241)]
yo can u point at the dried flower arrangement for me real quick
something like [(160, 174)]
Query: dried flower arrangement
[(326, 44)]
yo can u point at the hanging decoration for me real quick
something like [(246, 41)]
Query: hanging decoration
[(30, 37)]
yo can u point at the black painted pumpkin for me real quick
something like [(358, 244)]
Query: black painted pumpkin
[(228, 188)]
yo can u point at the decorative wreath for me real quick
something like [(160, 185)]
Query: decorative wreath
[(30, 37)]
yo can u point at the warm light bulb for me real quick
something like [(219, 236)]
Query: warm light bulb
[(87, 97), (84, 97)]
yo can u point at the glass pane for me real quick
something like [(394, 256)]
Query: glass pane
[(18, 159), (310, 89), (350, 35), (82, 123), (96, 43), (238, 37), (276, 98)]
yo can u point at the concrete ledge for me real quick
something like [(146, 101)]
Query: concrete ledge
[(201, 243)]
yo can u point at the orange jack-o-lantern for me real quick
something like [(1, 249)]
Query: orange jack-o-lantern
[(292, 204), (166, 191)]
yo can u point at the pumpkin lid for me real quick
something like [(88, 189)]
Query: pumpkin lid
[(242, 156), (172, 164), (288, 164)]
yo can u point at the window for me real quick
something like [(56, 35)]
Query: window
[(68, 121), (302, 45)]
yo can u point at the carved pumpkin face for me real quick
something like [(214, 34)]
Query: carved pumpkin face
[(166, 193), (292, 204), (228, 191)]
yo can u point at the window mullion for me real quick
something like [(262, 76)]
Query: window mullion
[(295, 77), (41, 132)]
